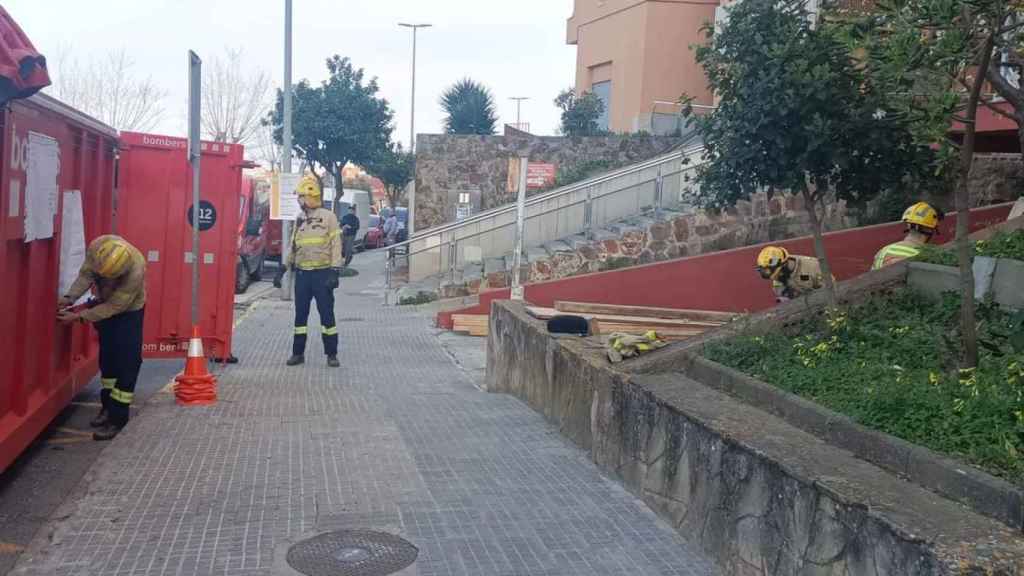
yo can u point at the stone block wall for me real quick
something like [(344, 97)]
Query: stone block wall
[(447, 162)]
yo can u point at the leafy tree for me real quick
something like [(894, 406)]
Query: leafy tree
[(341, 121), (933, 57), (396, 168), (796, 114), (580, 114), (469, 106)]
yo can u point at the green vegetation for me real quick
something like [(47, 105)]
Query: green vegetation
[(469, 109), (419, 298), (1001, 245), (892, 364)]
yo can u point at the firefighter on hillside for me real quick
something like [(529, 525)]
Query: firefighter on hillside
[(117, 271), (791, 276), (922, 221), (315, 257)]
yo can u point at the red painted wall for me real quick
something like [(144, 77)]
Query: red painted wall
[(723, 281)]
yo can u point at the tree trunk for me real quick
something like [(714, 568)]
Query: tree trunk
[(811, 205), (968, 324)]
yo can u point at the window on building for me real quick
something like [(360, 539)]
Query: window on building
[(603, 90)]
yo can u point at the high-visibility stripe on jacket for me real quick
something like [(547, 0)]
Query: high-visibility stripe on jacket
[(126, 293), (894, 253), (316, 241)]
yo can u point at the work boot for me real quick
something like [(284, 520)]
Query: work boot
[(296, 360), (100, 420), (107, 432), (332, 361)]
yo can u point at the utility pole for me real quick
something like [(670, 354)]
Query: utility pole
[(286, 144), (195, 98), (519, 102), (412, 123)]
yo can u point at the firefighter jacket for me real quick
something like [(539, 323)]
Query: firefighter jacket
[(895, 252), (316, 241), (125, 293), (804, 276)]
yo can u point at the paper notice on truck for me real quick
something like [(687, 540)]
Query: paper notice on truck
[(284, 200), (72, 241), (41, 186)]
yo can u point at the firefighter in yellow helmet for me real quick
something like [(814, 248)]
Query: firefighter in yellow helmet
[(792, 276), (116, 271), (922, 220), (315, 257)]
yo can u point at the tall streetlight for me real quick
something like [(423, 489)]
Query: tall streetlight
[(519, 102), (412, 123)]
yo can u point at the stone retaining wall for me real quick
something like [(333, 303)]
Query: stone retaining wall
[(479, 165), (756, 494)]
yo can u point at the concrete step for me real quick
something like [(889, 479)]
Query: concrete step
[(472, 271), (493, 265), (557, 247), (602, 234), (622, 228), (578, 241), (536, 254)]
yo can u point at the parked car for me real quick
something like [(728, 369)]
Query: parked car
[(374, 236)]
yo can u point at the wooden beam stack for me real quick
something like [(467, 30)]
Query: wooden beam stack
[(668, 323), (471, 324)]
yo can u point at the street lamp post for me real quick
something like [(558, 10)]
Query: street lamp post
[(412, 123), (519, 102), (286, 143)]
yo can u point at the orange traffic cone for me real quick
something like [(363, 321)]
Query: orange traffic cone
[(195, 386)]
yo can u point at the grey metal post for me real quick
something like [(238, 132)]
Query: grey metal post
[(195, 75), (588, 214), (659, 188), (517, 257), (286, 145)]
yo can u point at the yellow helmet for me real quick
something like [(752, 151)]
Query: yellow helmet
[(771, 260), (923, 216), (309, 189), (111, 257)]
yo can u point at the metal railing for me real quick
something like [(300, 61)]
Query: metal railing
[(578, 209)]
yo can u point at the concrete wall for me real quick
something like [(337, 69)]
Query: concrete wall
[(755, 494), (643, 47)]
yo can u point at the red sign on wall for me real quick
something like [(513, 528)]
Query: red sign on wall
[(540, 176)]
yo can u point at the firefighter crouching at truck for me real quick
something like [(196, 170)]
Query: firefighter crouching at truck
[(117, 270), (791, 276), (922, 220), (315, 258)]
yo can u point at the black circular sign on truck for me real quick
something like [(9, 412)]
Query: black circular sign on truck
[(207, 216)]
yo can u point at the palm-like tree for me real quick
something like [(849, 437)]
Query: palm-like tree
[(469, 106)]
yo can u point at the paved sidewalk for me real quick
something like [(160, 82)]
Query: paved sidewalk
[(400, 439)]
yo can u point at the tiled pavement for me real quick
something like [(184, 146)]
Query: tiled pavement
[(400, 439)]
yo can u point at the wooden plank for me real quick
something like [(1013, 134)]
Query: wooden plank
[(548, 313), (643, 311), (602, 327), (470, 318)]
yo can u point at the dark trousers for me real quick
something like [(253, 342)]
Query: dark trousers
[(348, 248), (120, 362), (310, 284)]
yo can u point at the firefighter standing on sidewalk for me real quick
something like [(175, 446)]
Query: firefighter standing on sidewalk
[(117, 270), (315, 257)]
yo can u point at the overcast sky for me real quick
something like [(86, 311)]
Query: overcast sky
[(516, 49)]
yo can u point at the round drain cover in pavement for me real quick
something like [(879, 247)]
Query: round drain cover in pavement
[(352, 553)]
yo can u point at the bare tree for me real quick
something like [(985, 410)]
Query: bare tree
[(234, 101), (106, 88), (264, 149)]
